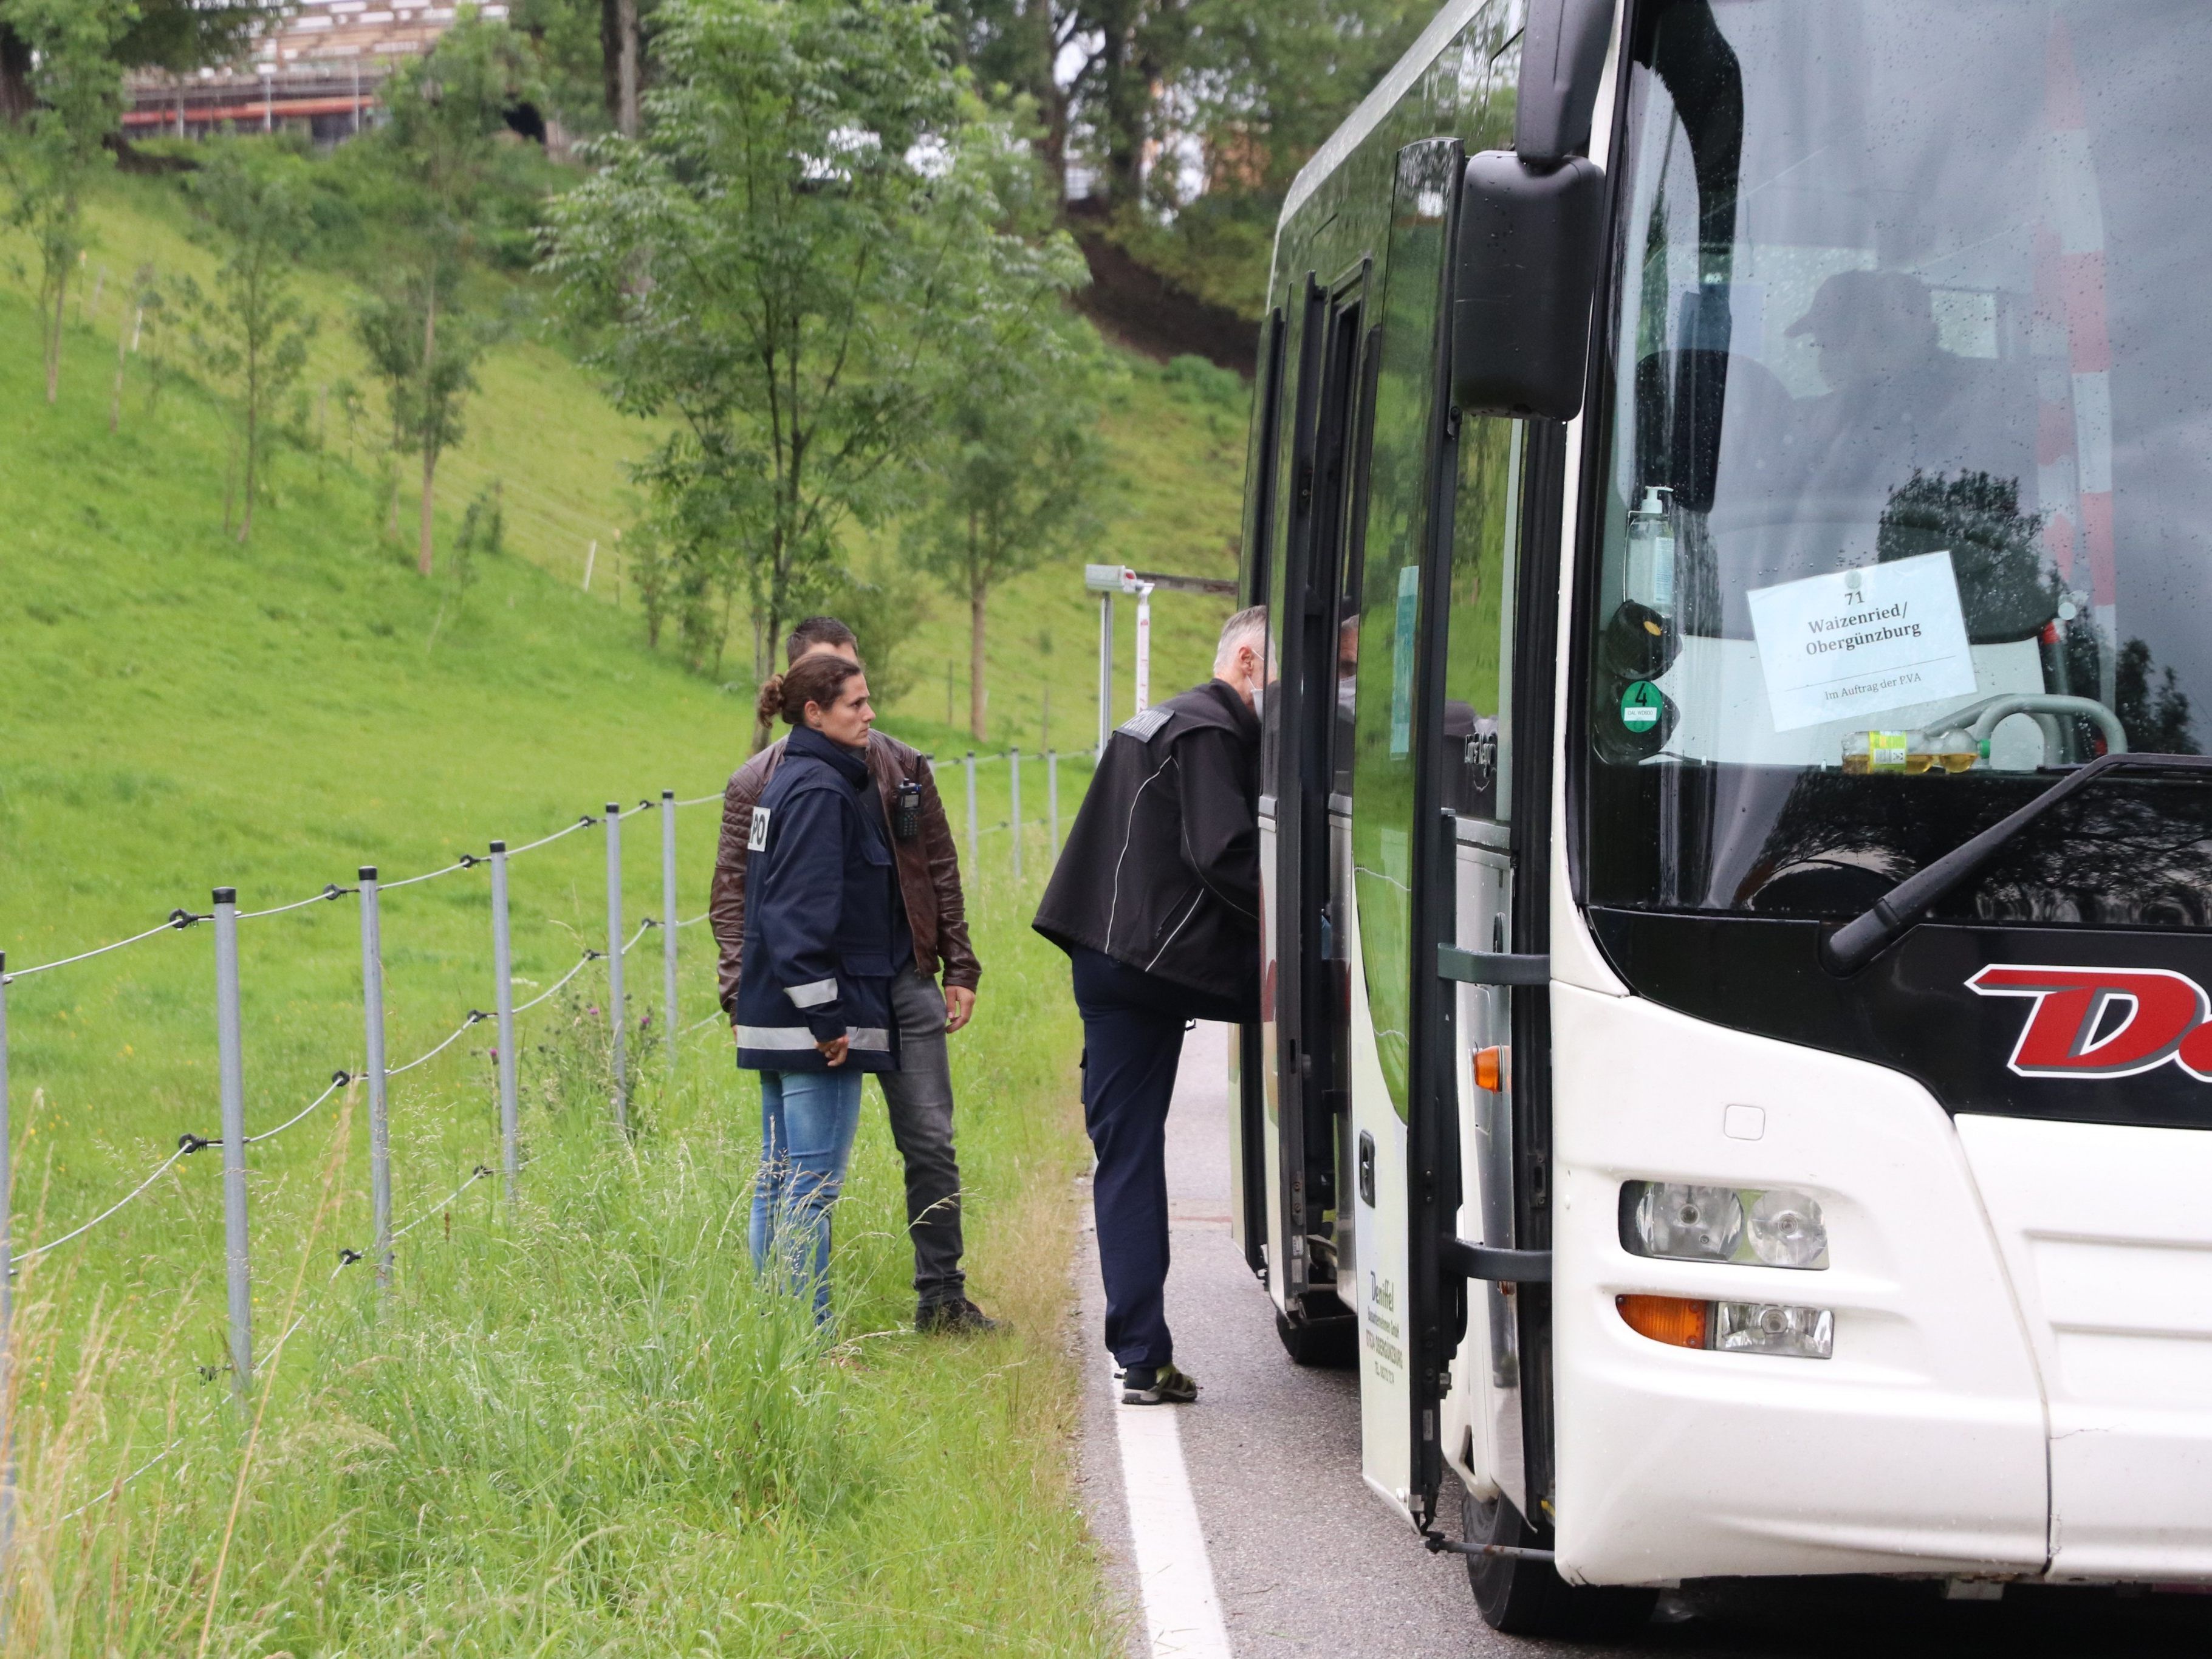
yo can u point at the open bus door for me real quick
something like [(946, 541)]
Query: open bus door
[(1305, 1009), (1449, 799), (1404, 1111)]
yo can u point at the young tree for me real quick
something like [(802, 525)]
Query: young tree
[(1013, 468), (75, 94), (438, 147), (425, 348), (775, 264), (252, 333)]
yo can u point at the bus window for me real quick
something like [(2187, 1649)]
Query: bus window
[(1907, 471), (1475, 745), (1395, 543)]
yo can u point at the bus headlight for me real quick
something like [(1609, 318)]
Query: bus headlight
[(1759, 1227), (1772, 1328), (1689, 1223), (1786, 1229)]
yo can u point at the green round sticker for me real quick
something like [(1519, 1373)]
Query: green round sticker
[(1640, 705)]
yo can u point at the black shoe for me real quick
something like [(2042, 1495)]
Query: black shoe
[(956, 1318), (1143, 1385)]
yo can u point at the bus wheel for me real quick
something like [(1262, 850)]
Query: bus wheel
[(1331, 1344), (1522, 1597)]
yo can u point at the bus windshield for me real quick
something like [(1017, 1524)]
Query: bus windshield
[(1908, 474)]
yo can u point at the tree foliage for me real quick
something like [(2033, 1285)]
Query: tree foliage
[(1190, 116), (811, 222), (1011, 470), (436, 155), (252, 333), (52, 155)]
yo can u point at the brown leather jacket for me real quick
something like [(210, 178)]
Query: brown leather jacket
[(928, 867)]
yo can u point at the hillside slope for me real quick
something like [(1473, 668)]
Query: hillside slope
[(1174, 439)]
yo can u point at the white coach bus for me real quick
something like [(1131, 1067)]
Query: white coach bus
[(1732, 484)]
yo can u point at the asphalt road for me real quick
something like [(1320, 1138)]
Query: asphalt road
[(1306, 1562)]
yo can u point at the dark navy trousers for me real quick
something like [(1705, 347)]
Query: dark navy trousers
[(1133, 1030)]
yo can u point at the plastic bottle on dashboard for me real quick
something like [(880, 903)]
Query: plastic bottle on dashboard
[(1914, 754), (1955, 750), (1883, 751), (1650, 575)]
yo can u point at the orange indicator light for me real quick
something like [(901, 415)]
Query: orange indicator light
[(1493, 1068), (1676, 1321)]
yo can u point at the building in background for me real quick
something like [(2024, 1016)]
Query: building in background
[(317, 73)]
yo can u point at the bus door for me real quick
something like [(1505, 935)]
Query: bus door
[(1404, 854), (1306, 959), (1251, 1083)]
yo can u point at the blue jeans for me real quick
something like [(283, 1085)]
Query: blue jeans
[(807, 1122)]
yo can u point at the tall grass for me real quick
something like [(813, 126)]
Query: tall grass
[(580, 1425)]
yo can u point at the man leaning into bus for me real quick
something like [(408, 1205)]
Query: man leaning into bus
[(920, 1093), (1155, 900)]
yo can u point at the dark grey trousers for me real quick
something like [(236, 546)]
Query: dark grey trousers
[(920, 1096)]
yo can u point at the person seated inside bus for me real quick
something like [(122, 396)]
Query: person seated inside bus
[(1785, 481), (1898, 403)]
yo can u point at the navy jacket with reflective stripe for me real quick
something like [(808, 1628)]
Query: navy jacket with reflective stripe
[(825, 931)]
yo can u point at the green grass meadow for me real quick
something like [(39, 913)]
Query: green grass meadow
[(575, 1425)]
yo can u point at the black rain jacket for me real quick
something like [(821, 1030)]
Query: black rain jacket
[(1162, 869), (824, 928)]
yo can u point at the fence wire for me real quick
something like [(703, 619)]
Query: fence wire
[(480, 1173), (477, 1017), (188, 1145), (178, 921)]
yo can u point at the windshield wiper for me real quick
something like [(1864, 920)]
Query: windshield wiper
[(1866, 936)]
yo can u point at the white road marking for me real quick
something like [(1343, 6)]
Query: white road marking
[(1182, 1615)]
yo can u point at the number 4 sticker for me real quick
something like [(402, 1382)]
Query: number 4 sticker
[(1640, 705)]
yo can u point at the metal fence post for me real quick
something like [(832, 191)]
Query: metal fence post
[(233, 1074), (615, 1018), (502, 968), (668, 923), (1014, 812), (974, 857), (1052, 798), (380, 1114), (1105, 670), (7, 1314)]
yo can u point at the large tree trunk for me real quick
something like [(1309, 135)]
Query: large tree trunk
[(1128, 100), (15, 100), (424, 547), (619, 63)]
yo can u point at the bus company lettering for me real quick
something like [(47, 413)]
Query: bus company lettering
[(2164, 1015)]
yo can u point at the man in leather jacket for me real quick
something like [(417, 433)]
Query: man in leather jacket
[(1155, 900), (920, 1093)]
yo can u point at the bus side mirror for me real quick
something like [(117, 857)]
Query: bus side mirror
[(1530, 235)]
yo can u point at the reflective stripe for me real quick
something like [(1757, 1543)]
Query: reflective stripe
[(774, 1037), (813, 995), (870, 1037)]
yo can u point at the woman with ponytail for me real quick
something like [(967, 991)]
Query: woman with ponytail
[(824, 934)]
